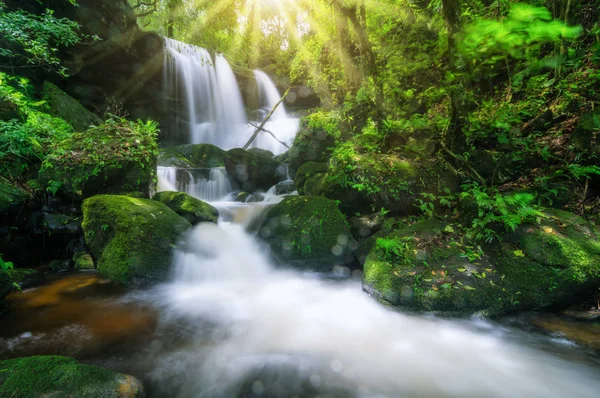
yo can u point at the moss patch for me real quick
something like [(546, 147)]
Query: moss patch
[(314, 172), (131, 238), (62, 105), (192, 156), (11, 197), (62, 377), (117, 156), (192, 209), (308, 232), (427, 268)]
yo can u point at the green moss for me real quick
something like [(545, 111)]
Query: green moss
[(62, 377), (11, 197), (62, 105), (534, 267), (131, 238), (310, 171), (117, 156), (192, 156), (308, 231), (83, 260), (192, 209)]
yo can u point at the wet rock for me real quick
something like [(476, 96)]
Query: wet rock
[(131, 239), (25, 277), (83, 260), (192, 156), (57, 223), (285, 187), (56, 376), (243, 197), (253, 171), (192, 209), (364, 226), (60, 265), (309, 178), (308, 232)]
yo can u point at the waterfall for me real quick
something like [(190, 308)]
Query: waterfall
[(213, 102), (205, 184), (208, 103)]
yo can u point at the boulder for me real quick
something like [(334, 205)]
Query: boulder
[(364, 226), (62, 377), (428, 267), (200, 156), (308, 232), (117, 156), (131, 239), (253, 171), (313, 142), (62, 105), (314, 172), (83, 260), (11, 197), (192, 209)]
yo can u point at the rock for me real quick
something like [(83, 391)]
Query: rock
[(285, 187), (60, 224), (243, 197), (66, 107), (364, 226), (312, 142), (428, 267), (192, 209), (117, 156), (308, 232), (11, 197), (83, 260), (60, 265), (308, 171), (201, 156), (131, 239), (9, 109), (253, 171), (62, 377), (25, 277), (261, 151)]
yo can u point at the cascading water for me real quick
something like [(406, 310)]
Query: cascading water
[(209, 104), (213, 103), (206, 184), (279, 123), (256, 331)]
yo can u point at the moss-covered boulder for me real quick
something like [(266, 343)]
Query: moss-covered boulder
[(192, 209), (310, 174), (313, 142), (253, 171), (364, 182), (192, 156), (308, 232), (117, 156), (11, 197), (83, 260), (63, 377), (428, 267), (131, 239), (62, 105)]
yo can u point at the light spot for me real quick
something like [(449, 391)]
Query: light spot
[(258, 387), (342, 240), (337, 250), (336, 365), (315, 381)]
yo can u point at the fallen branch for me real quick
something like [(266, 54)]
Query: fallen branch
[(271, 133), (462, 160), (262, 125)]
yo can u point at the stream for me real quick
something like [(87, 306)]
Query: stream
[(230, 324)]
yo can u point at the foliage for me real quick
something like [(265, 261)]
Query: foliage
[(29, 40), (5, 265)]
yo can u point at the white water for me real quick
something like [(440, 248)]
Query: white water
[(213, 104), (214, 187), (282, 334)]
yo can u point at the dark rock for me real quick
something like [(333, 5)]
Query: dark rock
[(285, 187), (310, 171), (68, 108), (253, 171), (364, 226)]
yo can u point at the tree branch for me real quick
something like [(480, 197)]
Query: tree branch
[(262, 125), (271, 133)]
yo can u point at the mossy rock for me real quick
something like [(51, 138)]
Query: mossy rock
[(428, 267), (68, 108), (9, 109), (11, 197), (253, 171), (117, 156), (63, 377), (83, 260), (192, 209), (25, 277), (131, 239), (199, 156), (312, 143), (309, 171), (261, 151), (308, 232)]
